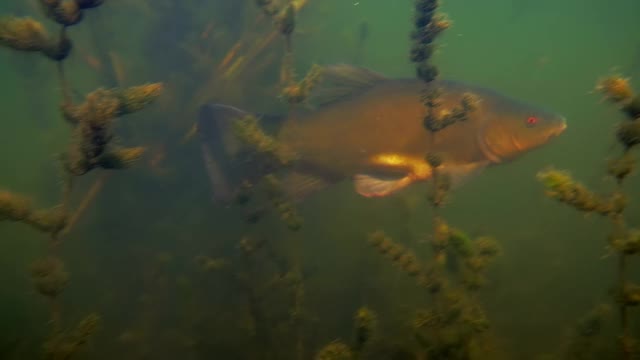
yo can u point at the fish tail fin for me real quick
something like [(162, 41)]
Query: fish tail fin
[(222, 150), (215, 127)]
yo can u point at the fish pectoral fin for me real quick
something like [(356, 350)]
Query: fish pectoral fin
[(369, 186), (300, 185)]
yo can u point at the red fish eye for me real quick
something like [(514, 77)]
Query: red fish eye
[(532, 120)]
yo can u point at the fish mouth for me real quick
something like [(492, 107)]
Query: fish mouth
[(560, 129)]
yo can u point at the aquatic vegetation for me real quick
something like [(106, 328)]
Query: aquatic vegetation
[(618, 90), (24, 34), (256, 296), (249, 132), (206, 263), (439, 118), (93, 132), (268, 7), (451, 322), (296, 93), (585, 341), (335, 350), (285, 22), (366, 322), (562, 187), (449, 326), (274, 289), (15, 207), (49, 276), (623, 239), (398, 254), (273, 155), (65, 345), (428, 25), (93, 122)]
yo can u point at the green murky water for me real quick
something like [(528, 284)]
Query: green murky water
[(135, 256)]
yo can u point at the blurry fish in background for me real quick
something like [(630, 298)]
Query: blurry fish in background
[(369, 128), (361, 42)]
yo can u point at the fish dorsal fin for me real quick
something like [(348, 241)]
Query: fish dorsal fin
[(342, 81)]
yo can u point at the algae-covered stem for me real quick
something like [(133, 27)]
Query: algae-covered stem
[(624, 313), (294, 93), (428, 26), (623, 240), (619, 91), (64, 85)]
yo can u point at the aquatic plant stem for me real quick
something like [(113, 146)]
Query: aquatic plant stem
[(88, 198), (298, 298), (54, 243), (624, 314), (56, 316), (66, 96), (625, 340)]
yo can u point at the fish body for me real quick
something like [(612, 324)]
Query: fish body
[(371, 129)]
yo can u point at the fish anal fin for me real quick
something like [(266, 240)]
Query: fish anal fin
[(459, 173), (339, 82), (370, 186), (299, 186)]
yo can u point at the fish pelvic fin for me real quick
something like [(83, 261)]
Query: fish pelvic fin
[(457, 174), (222, 151), (370, 186), (342, 81)]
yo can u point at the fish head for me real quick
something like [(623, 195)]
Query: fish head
[(513, 128)]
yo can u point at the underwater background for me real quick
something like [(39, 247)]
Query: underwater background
[(170, 274)]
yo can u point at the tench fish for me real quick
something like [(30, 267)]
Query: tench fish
[(370, 129)]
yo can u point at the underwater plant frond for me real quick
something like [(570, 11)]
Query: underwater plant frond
[(15, 207), (398, 254), (65, 345), (248, 131), (336, 350), (49, 276), (24, 34), (561, 186)]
